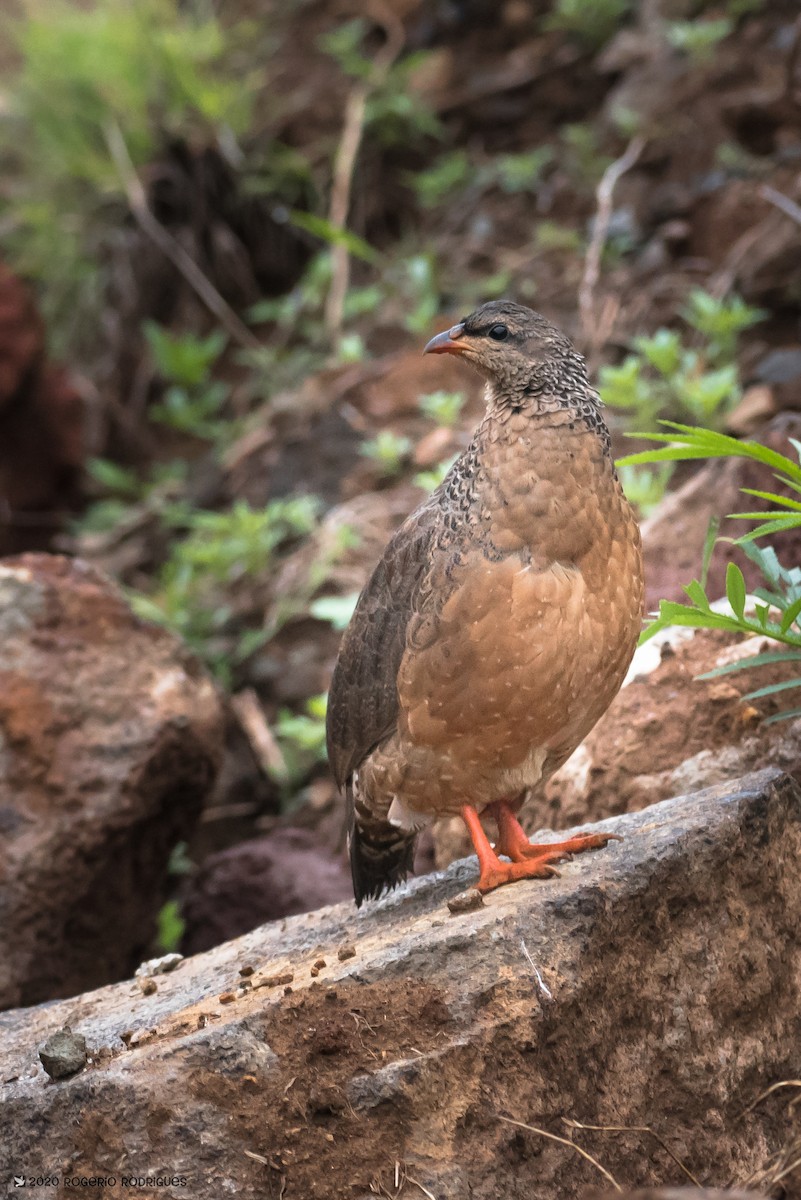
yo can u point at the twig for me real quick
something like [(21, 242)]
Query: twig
[(169, 246), (542, 987), (603, 215), (636, 1129), (262, 741), (792, 63), (564, 1142), (417, 1183), (782, 202), (345, 163), (774, 1087), (259, 1158)]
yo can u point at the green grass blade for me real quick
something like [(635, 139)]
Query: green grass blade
[(756, 660), (772, 688)]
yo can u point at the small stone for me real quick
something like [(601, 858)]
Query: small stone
[(346, 952), (227, 997), (159, 966), (315, 971), (274, 980), (245, 972), (147, 986), (466, 901), (64, 1053), (320, 963), (140, 1037)]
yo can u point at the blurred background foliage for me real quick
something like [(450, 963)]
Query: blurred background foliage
[(240, 224)]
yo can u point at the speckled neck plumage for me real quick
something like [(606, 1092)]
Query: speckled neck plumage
[(557, 386)]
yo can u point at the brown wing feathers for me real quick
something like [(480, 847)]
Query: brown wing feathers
[(363, 700)]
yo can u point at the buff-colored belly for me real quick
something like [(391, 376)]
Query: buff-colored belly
[(523, 664)]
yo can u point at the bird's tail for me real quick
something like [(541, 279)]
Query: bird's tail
[(381, 854)]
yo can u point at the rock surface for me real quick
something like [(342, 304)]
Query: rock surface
[(346, 1054), (42, 423), (109, 742)]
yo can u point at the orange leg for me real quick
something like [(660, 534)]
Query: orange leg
[(514, 844), (530, 861)]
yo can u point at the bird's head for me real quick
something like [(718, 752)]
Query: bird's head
[(510, 345)]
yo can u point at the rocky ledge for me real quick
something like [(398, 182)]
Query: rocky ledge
[(403, 1050)]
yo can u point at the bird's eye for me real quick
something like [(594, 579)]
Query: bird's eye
[(499, 333)]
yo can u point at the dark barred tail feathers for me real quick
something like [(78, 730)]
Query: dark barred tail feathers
[(381, 854)]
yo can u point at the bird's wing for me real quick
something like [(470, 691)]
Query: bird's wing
[(363, 699)]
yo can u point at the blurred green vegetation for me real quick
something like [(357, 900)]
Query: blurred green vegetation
[(91, 80), (776, 609)]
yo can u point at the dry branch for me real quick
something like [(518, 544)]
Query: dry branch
[(554, 1137), (592, 328), (345, 164), (169, 246)]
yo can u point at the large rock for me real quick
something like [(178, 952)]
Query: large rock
[(653, 984), (109, 742), (262, 879), (42, 435)]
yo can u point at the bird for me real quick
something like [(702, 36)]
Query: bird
[(499, 623)]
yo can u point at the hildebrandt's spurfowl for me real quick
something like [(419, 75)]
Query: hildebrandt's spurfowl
[(499, 623)]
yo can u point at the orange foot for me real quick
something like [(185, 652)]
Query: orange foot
[(530, 860)]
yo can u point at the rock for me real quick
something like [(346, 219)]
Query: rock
[(673, 538), (467, 901), (110, 735), (41, 426), (680, 1193), (260, 880), (63, 1053), (652, 984)]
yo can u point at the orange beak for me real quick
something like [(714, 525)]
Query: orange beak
[(447, 342)]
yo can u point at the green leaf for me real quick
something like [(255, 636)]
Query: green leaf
[(334, 236), (756, 660), (790, 614), (773, 498), (735, 589), (337, 610), (770, 527), (710, 537), (772, 688), (783, 716), (697, 595)]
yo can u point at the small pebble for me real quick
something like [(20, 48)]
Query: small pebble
[(159, 966), (246, 971), (147, 986), (274, 980), (63, 1053), (466, 901), (227, 998), (140, 1037), (345, 952), (287, 991)]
